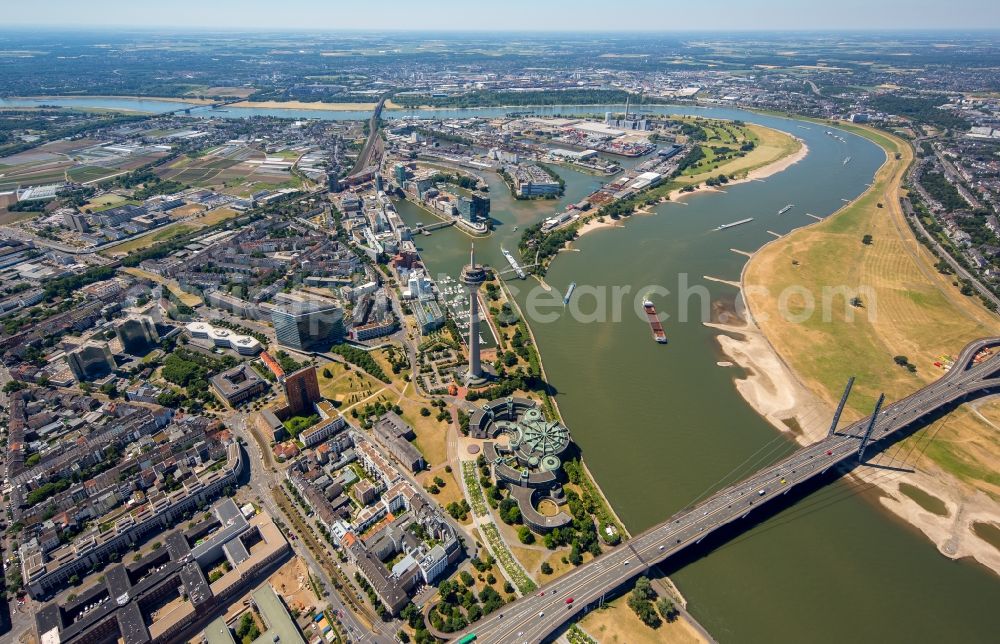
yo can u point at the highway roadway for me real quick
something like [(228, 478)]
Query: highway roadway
[(537, 617)]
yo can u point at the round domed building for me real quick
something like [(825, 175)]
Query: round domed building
[(525, 454)]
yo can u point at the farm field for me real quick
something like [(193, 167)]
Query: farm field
[(81, 161), (228, 166)]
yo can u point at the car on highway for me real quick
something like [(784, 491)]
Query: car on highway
[(569, 600), (761, 493)]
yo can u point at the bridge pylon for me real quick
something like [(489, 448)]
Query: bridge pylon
[(840, 407), (869, 429)]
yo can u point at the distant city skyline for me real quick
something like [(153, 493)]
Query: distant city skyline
[(511, 15)]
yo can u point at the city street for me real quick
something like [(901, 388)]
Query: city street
[(264, 485)]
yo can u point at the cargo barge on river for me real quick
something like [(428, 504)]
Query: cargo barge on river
[(654, 322)]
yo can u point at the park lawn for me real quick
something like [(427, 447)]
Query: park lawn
[(616, 623), (105, 201), (771, 145), (171, 231), (530, 558), (165, 233), (189, 299), (451, 492), (957, 444), (345, 387), (381, 360), (559, 568), (432, 434), (187, 210), (909, 309), (238, 187), (479, 584), (213, 217)]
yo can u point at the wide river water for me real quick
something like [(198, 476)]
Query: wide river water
[(659, 426)]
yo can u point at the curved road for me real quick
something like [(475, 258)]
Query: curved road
[(536, 617)]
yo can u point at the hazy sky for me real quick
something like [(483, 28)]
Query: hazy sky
[(544, 15)]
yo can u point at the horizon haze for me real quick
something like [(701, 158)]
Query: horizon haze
[(515, 15)]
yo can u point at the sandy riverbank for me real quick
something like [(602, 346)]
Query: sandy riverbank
[(305, 105), (595, 224), (757, 174), (166, 99), (317, 105), (777, 394), (769, 385)]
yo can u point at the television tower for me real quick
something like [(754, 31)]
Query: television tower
[(473, 277)]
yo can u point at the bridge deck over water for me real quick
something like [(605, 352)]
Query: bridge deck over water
[(536, 617)]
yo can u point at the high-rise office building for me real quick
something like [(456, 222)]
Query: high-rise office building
[(308, 326), (423, 184), (474, 209), (302, 391), (90, 361), (76, 221), (137, 334), (399, 174)]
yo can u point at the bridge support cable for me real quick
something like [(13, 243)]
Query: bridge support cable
[(840, 407), (871, 427), (764, 453)]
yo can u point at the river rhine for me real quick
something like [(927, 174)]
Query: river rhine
[(661, 425)]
